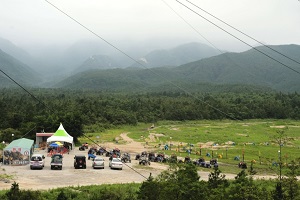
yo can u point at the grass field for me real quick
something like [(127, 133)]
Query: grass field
[(251, 140)]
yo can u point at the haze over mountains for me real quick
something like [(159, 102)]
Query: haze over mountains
[(192, 65)]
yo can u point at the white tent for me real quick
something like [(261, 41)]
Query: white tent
[(60, 135)]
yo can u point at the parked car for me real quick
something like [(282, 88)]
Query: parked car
[(98, 163), (56, 161), (79, 162), (116, 163), (37, 161)]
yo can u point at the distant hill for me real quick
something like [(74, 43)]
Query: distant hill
[(177, 56), (17, 52), (17, 70), (248, 69), (97, 62)]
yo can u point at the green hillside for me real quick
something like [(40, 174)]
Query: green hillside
[(17, 70), (177, 56)]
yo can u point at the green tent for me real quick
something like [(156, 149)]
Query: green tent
[(18, 152)]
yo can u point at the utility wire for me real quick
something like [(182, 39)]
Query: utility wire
[(191, 26), (140, 64), (29, 131), (25, 89), (244, 33), (117, 158), (226, 55), (238, 38)]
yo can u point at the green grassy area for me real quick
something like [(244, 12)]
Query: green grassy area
[(249, 140)]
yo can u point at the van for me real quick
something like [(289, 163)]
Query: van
[(37, 161)]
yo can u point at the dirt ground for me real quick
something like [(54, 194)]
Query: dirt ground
[(68, 176)]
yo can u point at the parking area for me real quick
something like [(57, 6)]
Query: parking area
[(47, 178)]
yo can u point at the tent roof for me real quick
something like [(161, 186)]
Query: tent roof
[(60, 135), (21, 143)]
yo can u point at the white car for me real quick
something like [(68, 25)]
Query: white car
[(98, 162), (116, 163), (37, 161)]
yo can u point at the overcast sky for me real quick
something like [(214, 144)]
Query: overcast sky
[(36, 22)]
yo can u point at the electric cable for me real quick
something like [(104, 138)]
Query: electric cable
[(214, 46), (244, 33), (298, 72), (25, 89)]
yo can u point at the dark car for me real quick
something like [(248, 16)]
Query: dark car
[(56, 161), (79, 162)]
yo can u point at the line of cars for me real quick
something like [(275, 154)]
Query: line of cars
[(37, 161)]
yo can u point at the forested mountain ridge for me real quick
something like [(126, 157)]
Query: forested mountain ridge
[(17, 70), (177, 56), (97, 62), (15, 51), (247, 68)]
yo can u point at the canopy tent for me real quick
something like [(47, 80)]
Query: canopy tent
[(18, 152), (60, 135)]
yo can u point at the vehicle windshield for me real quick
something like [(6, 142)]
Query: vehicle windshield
[(116, 160), (56, 159), (80, 158), (36, 158)]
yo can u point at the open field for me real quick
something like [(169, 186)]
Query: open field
[(251, 140)]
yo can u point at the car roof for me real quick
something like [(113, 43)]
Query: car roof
[(57, 155), (36, 154), (77, 156)]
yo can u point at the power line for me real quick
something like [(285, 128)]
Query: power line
[(117, 158), (239, 38), (25, 89), (29, 131), (244, 33), (192, 27), (226, 55)]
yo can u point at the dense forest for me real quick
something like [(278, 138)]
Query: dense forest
[(43, 109)]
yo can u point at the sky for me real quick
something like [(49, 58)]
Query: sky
[(34, 23)]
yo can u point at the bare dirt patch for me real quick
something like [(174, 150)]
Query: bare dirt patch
[(277, 126)]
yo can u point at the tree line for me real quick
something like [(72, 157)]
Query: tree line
[(78, 110), (180, 182)]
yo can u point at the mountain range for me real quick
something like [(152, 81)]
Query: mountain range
[(193, 66), (249, 68), (179, 55)]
